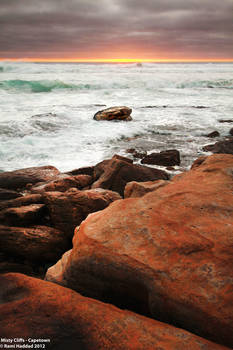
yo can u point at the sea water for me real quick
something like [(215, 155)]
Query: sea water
[(47, 111)]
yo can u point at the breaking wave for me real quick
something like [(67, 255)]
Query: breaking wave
[(51, 85), (227, 84)]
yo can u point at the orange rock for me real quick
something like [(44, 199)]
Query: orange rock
[(35, 309), (167, 254)]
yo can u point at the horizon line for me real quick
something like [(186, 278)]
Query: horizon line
[(117, 60)]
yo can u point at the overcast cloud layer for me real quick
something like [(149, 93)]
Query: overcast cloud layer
[(116, 28)]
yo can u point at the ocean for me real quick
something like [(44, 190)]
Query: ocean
[(47, 111)]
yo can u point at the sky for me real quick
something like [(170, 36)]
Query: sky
[(116, 29)]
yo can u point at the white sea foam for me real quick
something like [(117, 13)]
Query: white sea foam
[(174, 106)]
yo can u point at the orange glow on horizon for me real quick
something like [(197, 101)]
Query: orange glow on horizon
[(116, 60)]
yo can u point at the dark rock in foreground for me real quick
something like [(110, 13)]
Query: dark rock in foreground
[(114, 113), (31, 308), (39, 244), (167, 254), (164, 158), (220, 147), (115, 173)]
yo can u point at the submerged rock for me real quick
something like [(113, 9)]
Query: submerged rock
[(167, 254), (114, 113), (32, 308)]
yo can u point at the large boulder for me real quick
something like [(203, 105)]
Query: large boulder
[(60, 183), (22, 201), (19, 179), (114, 113), (38, 244), (70, 208), (167, 254), (225, 146), (115, 173), (32, 309), (165, 158)]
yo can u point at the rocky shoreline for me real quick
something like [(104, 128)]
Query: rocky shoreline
[(131, 258)]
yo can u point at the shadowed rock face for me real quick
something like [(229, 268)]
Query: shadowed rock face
[(166, 158), (31, 308), (169, 252), (220, 147), (114, 113)]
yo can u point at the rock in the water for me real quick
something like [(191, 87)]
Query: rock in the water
[(167, 254), (25, 215), (114, 113), (6, 194), (225, 120), (231, 131), (165, 158), (220, 147), (213, 134), (38, 244), (70, 208), (113, 174), (32, 308), (20, 178), (138, 189), (198, 162)]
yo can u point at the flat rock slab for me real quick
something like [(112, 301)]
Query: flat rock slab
[(31, 308), (114, 113), (20, 178), (167, 254)]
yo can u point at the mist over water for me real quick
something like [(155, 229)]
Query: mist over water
[(47, 110)]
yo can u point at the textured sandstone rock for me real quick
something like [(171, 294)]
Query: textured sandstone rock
[(114, 113), (70, 208), (167, 254), (20, 178), (165, 158), (113, 174), (31, 308), (38, 244), (138, 189), (25, 215), (220, 147)]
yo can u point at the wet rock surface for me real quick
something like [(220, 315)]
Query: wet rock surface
[(114, 113)]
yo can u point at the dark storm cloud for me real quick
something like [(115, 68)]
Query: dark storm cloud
[(107, 28)]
